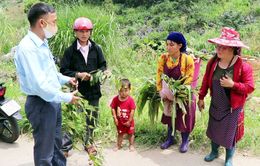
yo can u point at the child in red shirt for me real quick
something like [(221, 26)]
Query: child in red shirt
[(123, 108)]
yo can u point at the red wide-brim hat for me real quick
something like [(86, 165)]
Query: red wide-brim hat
[(229, 37)]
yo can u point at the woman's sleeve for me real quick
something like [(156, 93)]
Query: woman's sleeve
[(246, 84), (160, 65), (189, 70)]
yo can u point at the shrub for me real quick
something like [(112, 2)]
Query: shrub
[(234, 19), (28, 3), (135, 3), (257, 11)]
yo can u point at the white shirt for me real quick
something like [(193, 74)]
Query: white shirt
[(84, 50)]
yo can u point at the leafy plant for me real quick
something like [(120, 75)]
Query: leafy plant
[(99, 76), (148, 94), (181, 94), (74, 119), (96, 160)]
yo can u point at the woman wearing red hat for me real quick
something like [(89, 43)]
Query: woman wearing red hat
[(82, 57), (230, 80), (176, 64)]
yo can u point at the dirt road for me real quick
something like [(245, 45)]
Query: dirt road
[(21, 154)]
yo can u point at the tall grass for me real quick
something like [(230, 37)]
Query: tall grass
[(12, 28), (10, 33), (102, 34)]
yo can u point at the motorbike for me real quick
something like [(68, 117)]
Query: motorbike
[(9, 115)]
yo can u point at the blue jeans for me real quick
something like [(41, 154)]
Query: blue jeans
[(45, 118)]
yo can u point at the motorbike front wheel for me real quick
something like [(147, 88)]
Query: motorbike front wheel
[(9, 129)]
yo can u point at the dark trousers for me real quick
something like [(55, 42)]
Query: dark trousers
[(91, 121), (45, 118)]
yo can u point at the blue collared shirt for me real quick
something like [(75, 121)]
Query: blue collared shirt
[(37, 72)]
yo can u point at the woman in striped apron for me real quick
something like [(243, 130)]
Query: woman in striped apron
[(230, 80), (176, 64)]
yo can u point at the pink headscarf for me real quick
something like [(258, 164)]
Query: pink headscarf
[(229, 37)]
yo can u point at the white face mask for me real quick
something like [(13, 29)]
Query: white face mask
[(50, 31)]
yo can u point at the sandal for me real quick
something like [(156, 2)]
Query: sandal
[(66, 154), (91, 150)]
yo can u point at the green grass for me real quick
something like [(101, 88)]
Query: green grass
[(257, 85), (252, 131), (12, 27), (103, 31), (197, 23)]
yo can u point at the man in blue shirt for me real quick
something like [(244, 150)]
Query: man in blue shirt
[(41, 82)]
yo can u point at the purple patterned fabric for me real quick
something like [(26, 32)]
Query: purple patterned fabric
[(222, 123), (189, 117), (175, 73)]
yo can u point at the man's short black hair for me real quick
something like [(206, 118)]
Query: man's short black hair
[(37, 11)]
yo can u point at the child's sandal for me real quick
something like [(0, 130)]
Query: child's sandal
[(66, 154)]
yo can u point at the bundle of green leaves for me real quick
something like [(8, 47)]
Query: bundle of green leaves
[(148, 94), (181, 93), (99, 76), (74, 117)]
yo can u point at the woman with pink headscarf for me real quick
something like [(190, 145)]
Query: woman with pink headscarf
[(230, 80)]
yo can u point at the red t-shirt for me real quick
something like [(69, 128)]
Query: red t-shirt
[(125, 109)]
